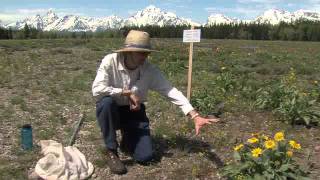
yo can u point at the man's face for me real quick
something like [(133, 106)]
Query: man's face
[(138, 58)]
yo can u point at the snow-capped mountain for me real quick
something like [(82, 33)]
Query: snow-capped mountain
[(51, 21), (148, 16), (306, 15), (220, 19), (34, 21), (110, 22), (275, 16), (154, 16), (271, 16), (151, 15)]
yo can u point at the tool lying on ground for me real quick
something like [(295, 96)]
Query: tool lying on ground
[(76, 130)]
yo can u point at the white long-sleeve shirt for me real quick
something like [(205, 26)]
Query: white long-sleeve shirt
[(112, 77)]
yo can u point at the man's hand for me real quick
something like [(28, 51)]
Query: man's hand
[(199, 122), (126, 92), (134, 102)]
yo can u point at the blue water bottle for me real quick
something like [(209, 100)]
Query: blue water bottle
[(26, 137)]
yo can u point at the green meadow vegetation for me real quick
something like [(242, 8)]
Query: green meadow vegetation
[(253, 86)]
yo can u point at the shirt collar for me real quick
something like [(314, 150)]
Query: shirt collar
[(121, 62)]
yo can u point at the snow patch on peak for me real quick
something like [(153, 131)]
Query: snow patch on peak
[(220, 19), (152, 15), (306, 15), (275, 16)]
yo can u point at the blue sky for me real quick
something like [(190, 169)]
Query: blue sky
[(197, 10)]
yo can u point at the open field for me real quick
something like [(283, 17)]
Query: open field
[(48, 83)]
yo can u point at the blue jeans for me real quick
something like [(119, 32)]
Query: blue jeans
[(134, 126)]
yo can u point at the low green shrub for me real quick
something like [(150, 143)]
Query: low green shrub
[(204, 100)]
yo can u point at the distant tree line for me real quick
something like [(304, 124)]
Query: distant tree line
[(297, 31)]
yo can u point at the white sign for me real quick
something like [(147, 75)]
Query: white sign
[(191, 35)]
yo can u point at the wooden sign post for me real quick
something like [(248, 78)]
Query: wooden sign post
[(191, 36)]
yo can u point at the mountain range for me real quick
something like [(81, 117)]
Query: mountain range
[(151, 15)]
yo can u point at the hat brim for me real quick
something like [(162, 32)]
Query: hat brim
[(135, 50)]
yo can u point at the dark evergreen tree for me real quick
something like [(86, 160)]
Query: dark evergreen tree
[(26, 31), (10, 33)]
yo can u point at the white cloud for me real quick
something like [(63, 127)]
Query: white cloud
[(316, 8), (313, 5), (31, 11), (9, 16), (314, 1), (132, 12), (291, 4), (239, 12)]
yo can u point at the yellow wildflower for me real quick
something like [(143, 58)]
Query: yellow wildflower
[(315, 82), (265, 137), (269, 144), (294, 144), (253, 140), (256, 152), (279, 136), (223, 68), (289, 153), (237, 148)]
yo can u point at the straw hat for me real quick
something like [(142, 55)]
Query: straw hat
[(137, 41)]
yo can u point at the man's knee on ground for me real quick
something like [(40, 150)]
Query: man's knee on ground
[(143, 158)]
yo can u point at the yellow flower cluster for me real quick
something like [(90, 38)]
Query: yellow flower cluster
[(291, 77), (294, 144), (268, 143)]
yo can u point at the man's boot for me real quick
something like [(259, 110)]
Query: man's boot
[(114, 163)]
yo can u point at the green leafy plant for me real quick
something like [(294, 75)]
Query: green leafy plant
[(225, 81), (205, 101), (219, 91), (287, 100), (262, 157)]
